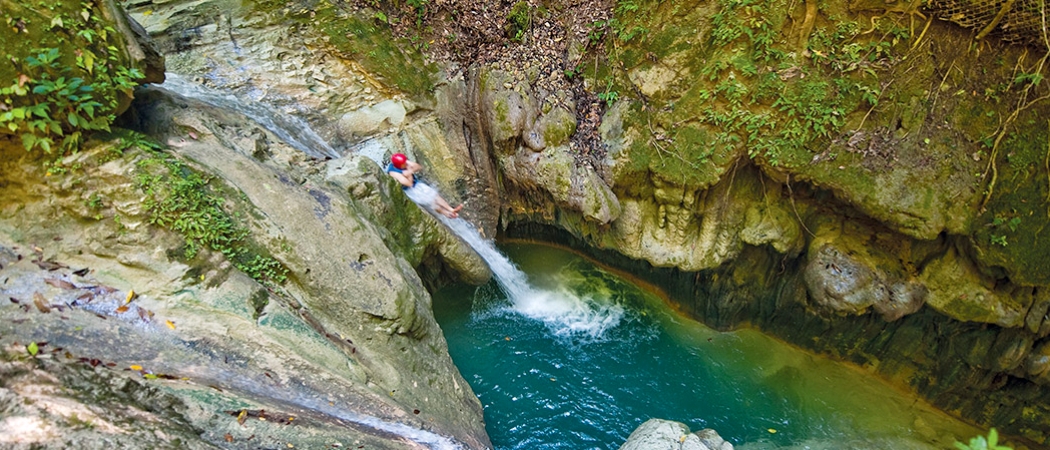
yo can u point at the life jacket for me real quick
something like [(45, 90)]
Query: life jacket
[(392, 168)]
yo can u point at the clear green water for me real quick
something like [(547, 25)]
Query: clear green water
[(610, 356)]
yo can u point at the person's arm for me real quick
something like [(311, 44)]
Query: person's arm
[(405, 178)]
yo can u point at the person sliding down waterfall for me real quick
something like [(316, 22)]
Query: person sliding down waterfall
[(404, 171)]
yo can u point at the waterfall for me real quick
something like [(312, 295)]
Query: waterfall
[(290, 129), (565, 313), (513, 281)]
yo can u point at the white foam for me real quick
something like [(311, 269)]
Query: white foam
[(567, 314)]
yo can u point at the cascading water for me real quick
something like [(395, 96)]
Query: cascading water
[(565, 313), (290, 129)]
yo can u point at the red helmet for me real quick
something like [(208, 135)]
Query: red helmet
[(399, 160)]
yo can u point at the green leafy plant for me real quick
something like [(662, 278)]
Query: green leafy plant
[(179, 198), (981, 443), (56, 98), (520, 19), (609, 97), (420, 6)]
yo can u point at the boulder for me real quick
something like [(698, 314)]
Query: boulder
[(659, 434), (840, 283), (370, 120)]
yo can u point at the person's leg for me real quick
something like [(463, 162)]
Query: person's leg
[(443, 208)]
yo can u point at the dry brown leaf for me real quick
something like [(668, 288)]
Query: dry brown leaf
[(41, 303), (60, 283), (122, 309)]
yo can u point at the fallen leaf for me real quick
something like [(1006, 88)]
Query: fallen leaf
[(135, 367), (81, 272), (122, 309), (94, 362), (415, 411), (60, 283), (14, 300), (86, 296), (41, 303), (32, 349), (170, 324), (131, 296), (50, 265), (241, 416), (145, 315), (228, 437)]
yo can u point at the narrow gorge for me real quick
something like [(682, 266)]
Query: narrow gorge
[(199, 246)]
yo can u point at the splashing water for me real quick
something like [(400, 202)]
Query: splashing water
[(565, 313), (290, 129)]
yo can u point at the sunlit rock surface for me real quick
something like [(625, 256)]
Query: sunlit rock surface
[(658, 434), (349, 340)]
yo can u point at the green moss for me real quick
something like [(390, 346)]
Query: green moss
[(1012, 232), (363, 39), (560, 128), (500, 107), (258, 301)]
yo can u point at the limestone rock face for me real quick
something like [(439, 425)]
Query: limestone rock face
[(659, 434), (844, 285), (529, 134), (350, 336), (371, 120), (959, 290), (554, 173)]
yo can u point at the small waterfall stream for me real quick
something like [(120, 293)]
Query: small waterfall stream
[(564, 312), (290, 129)]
